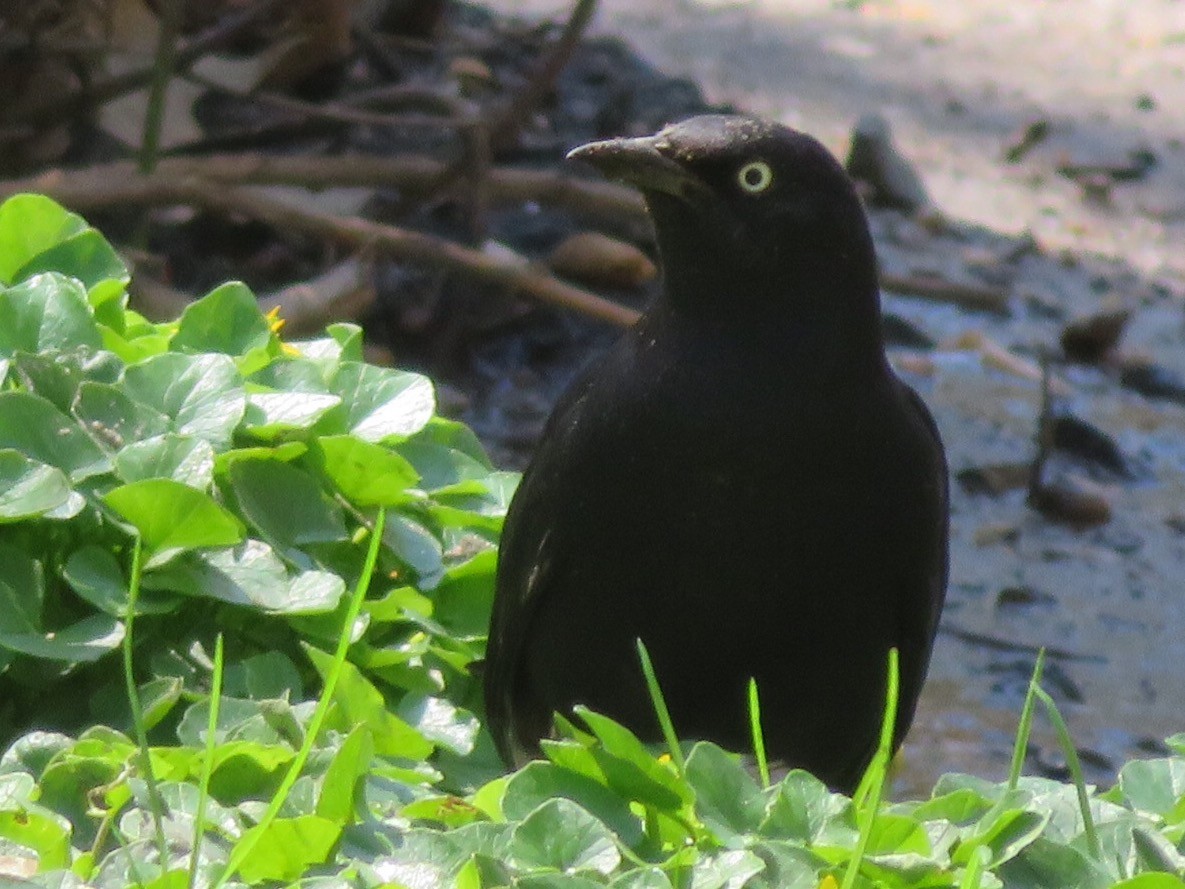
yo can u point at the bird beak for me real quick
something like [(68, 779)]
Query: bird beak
[(639, 162)]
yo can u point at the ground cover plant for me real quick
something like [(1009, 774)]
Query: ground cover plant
[(245, 585)]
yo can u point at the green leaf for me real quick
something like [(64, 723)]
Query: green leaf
[(250, 574), (1156, 786), (424, 859), (272, 414), (158, 697), (725, 870), (416, 547), (367, 474), (1044, 864), (202, 394), (48, 311), (540, 781), (55, 374), (623, 764), (728, 800), (440, 466), (643, 878), (86, 256), (561, 835), (960, 807), (22, 590), (1151, 881), (29, 225), (270, 674), (29, 488), (804, 810), (95, 575), (362, 704), (285, 503), (341, 790), (464, 599), (172, 517), (442, 722), (113, 419), (33, 426), (288, 848), (383, 403), (1005, 833), (183, 458), (45, 833), (226, 320), (82, 642)]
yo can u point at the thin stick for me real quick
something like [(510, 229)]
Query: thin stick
[(40, 107), (504, 128), (516, 276), (119, 183)]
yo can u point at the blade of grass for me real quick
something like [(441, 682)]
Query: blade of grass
[(1025, 727), (660, 708), (971, 875), (757, 734), (245, 846), (157, 805), (872, 785), (208, 763), (1075, 764)]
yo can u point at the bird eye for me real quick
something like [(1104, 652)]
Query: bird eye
[(755, 177)]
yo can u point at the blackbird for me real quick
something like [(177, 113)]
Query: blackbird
[(741, 482)]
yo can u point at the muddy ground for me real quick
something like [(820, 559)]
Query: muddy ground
[(959, 82)]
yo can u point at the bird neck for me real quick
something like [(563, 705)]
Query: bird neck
[(826, 320)]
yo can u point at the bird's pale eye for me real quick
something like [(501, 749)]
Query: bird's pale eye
[(755, 177)]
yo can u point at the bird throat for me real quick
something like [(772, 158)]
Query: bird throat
[(811, 298)]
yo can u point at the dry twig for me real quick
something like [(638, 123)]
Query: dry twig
[(935, 289), (103, 185), (504, 126), (38, 108), (516, 276)]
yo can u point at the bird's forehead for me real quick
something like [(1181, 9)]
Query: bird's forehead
[(718, 135)]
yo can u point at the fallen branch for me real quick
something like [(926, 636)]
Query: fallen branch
[(505, 125), (102, 186), (936, 289), (513, 273), (998, 644), (997, 356)]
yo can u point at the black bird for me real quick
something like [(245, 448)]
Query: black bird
[(742, 481)]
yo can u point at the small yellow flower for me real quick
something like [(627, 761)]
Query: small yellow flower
[(274, 321)]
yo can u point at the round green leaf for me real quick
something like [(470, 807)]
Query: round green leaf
[(383, 403), (227, 320), (29, 488), (171, 516), (33, 426), (561, 835)]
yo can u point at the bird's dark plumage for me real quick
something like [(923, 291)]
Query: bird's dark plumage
[(742, 482)]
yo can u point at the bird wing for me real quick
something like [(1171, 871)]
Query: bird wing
[(524, 565), (915, 637)]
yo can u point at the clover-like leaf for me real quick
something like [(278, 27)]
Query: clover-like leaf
[(172, 517)]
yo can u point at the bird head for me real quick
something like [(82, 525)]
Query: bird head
[(749, 214)]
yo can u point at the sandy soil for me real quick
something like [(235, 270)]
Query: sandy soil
[(958, 81)]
